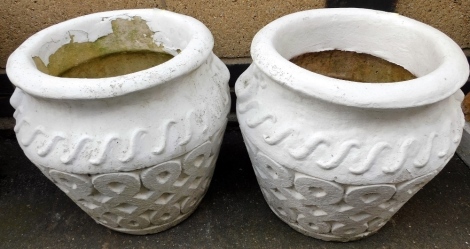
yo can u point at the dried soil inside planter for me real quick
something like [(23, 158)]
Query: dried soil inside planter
[(116, 64), (352, 66)]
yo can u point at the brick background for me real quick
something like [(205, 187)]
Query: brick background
[(233, 22), (449, 16)]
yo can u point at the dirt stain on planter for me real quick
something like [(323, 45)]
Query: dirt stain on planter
[(131, 43), (352, 66)]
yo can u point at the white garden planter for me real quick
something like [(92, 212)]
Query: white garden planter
[(336, 159), (137, 151)]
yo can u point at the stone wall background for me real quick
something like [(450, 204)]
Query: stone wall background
[(232, 22)]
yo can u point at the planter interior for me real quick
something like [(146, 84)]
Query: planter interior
[(352, 66)]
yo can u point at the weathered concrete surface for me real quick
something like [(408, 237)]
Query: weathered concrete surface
[(34, 213)]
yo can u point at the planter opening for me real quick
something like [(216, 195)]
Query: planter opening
[(128, 49), (346, 65)]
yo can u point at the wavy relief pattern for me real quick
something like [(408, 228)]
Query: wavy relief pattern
[(247, 89), (98, 148)]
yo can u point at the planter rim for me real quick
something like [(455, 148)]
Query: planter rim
[(444, 80), (23, 72)]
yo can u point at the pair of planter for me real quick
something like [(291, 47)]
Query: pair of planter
[(335, 159)]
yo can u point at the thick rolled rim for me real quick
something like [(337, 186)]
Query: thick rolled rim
[(23, 73), (438, 84)]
